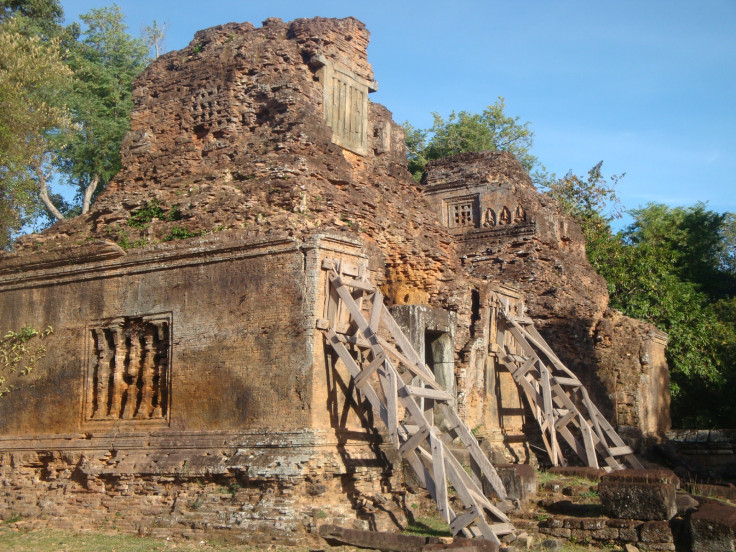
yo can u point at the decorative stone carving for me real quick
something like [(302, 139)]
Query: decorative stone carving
[(505, 217), (489, 219), (519, 214), (129, 373), (462, 212)]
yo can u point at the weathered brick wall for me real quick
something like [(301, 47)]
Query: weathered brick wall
[(256, 435), (238, 316)]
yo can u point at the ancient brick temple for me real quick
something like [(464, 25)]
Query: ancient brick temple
[(186, 386)]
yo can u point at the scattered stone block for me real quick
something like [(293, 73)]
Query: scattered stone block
[(639, 494), (686, 504), (713, 528), (655, 532)]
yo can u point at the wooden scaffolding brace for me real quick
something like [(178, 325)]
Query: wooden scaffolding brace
[(559, 401), (387, 371)]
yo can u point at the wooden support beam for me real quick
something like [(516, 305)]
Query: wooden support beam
[(414, 441), (418, 443), (369, 370), (438, 461), (427, 393)]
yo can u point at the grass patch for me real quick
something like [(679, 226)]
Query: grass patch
[(52, 540), (180, 233), (428, 527)]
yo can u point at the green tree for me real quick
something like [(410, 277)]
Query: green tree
[(665, 268), (33, 79), (104, 59), (462, 132), (41, 17)]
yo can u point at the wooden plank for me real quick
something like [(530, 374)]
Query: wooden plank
[(413, 442), (489, 472), (462, 521), (391, 391), (593, 418), (376, 311), (366, 373), (502, 528), (428, 393), (438, 460), (619, 451), (572, 382), (565, 419), (548, 413), (590, 457)]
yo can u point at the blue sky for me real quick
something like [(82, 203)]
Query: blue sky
[(649, 87)]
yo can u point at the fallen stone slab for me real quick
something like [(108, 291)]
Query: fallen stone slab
[(396, 542), (713, 528)]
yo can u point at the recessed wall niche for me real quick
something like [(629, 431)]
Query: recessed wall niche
[(129, 369)]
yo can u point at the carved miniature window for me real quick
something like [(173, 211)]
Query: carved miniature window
[(129, 371), (346, 108), (463, 213)]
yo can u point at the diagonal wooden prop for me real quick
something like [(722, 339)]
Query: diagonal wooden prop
[(388, 372), (559, 401)]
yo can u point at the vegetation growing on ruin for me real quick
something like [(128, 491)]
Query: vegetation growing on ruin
[(462, 132), (19, 352)]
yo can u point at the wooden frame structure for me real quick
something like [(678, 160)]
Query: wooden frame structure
[(559, 401), (403, 393)]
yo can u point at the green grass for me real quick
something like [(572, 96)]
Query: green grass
[(564, 480), (429, 527), (51, 540)]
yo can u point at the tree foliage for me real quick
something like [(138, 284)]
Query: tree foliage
[(667, 268), (33, 79), (40, 17), (65, 101), (104, 59), (154, 36), (463, 132)]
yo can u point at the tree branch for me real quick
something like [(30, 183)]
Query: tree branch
[(43, 193)]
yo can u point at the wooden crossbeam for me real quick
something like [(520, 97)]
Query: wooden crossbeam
[(559, 401), (378, 348)]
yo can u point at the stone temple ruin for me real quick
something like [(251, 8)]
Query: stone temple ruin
[(262, 242)]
